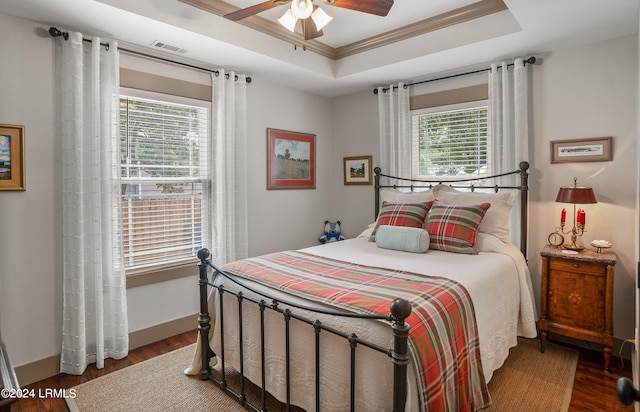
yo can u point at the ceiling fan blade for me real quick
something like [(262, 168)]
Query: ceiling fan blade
[(250, 11), (377, 7), (309, 30)]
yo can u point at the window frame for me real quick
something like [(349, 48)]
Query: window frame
[(415, 138), (159, 272)]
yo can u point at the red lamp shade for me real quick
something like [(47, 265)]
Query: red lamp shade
[(576, 194)]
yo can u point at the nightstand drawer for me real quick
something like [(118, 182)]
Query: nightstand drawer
[(577, 266)]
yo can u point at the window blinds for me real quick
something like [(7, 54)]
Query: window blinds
[(163, 172), (450, 143)]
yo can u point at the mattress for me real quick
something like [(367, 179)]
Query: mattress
[(497, 279)]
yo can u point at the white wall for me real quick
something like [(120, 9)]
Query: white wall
[(30, 255), (286, 218), (577, 93), (30, 221), (583, 92), (355, 127)]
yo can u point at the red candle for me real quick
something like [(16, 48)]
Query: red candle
[(581, 217), (584, 218), (563, 215)]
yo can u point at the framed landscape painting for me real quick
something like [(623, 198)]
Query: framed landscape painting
[(357, 170), (291, 160), (11, 157)]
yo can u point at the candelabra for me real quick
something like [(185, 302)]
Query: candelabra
[(577, 195)]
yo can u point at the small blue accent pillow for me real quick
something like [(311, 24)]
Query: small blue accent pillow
[(403, 238)]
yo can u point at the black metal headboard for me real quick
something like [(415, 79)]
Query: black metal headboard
[(413, 184)]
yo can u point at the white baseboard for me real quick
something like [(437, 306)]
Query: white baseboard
[(46, 368), (165, 330)]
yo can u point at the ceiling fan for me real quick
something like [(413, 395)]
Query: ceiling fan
[(311, 17)]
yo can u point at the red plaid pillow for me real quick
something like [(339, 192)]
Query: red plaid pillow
[(454, 228), (401, 214)]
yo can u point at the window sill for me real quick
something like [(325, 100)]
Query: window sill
[(158, 274)]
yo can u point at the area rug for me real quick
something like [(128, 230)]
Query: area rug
[(531, 381), (528, 381)]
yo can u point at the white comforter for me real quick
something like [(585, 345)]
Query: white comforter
[(497, 280)]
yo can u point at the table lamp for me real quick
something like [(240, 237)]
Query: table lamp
[(577, 195)]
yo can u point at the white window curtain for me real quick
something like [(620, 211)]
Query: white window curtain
[(228, 215), (508, 115), (395, 130), (509, 125), (94, 324)]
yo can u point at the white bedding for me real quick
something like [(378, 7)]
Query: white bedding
[(497, 280), (499, 285)]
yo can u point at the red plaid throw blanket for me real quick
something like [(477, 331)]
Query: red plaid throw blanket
[(443, 337)]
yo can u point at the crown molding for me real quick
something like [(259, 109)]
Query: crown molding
[(451, 18), (460, 15)]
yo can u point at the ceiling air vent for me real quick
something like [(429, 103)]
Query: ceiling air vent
[(163, 45)]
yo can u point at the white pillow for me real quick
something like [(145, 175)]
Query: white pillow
[(496, 220), (489, 243), (368, 231), (390, 195), (403, 238)]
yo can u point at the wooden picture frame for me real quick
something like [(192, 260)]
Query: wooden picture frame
[(357, 170), (291, 160), (12, 157), (597, 149)]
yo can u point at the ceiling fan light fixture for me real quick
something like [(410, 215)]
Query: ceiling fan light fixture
[(302, 8), (288, 20), (320, 18)]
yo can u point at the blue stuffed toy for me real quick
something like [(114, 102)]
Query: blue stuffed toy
[(331, 232)]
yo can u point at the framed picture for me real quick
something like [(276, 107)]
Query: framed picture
[(11, 157), (357, 170), (291, 160), (596, 149)]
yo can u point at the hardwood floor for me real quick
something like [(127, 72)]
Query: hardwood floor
[(593, 390), (111, 365)]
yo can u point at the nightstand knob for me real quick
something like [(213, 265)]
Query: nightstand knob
[(575, 265), (550, 293)]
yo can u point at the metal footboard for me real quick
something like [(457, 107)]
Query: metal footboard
[(400, 309)]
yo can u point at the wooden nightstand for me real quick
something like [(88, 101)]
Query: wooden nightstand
[(577, 297)]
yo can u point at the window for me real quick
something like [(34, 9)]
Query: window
[(450, 141), (163, 146)]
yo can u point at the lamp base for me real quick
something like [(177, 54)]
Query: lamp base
[(572, 247)]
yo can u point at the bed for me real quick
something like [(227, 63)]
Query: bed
[(416, 313)]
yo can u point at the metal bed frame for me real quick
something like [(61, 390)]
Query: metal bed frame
[(413, 184), (400, 309)]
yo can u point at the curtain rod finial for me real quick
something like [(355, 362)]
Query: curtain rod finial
[(54, 32)]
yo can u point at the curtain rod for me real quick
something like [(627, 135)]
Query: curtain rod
[(530, 60), (54, 32)]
